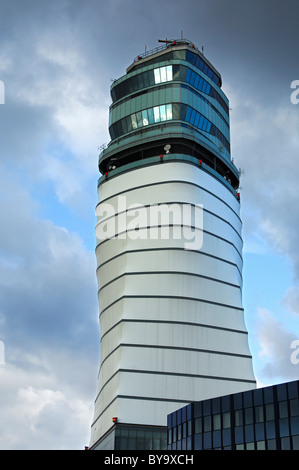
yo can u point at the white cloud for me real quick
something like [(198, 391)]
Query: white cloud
[(275, 342)]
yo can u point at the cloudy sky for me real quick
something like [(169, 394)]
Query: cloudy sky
[(57, 60)]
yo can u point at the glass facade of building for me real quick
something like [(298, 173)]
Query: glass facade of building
[(260, 419)]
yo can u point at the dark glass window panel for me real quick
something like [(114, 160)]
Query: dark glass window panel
[(249, 433), (198, 442), (225, 403), (197, 409), (284, 427), (129, 124), (270, 429), (269, 412), (285, 443), (239, 437), (238, 403), (239, 418), (226, 420), (184, 427), (217, 421), (146, 79), (207, 440), (268, 395), (258, 396), (216, 439), (207, 424), (294, 407), (140, 81), (295, 425), (259, 431), (295, 441), (179, 432), (177, 72), (281, 392), (189, 411), (259, 414), (184, 414), (271, 444), (226, 437), (292, 389), (198, 425), (248, 415), (247, 399), (283, 409), (175, 111)]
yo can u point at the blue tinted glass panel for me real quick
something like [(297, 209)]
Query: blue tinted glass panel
[(201, 120), (188, 114), (284, 427), (193, 116), (208, 127), (192, 78), (196, 82), (197, 119), (188, 75)]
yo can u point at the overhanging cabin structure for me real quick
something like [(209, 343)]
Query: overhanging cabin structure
[(169, 250)]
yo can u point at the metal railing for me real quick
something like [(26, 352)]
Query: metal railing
[(168, 43)]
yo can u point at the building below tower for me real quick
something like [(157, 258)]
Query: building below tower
[(261, 419)]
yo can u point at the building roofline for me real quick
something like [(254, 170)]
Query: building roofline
[(173, 44)]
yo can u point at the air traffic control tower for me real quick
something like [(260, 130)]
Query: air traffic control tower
[(169, 250)]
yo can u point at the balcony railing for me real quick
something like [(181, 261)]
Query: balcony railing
[(168, 43), (169, 158)]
